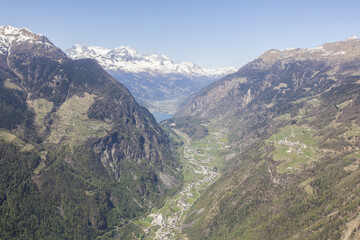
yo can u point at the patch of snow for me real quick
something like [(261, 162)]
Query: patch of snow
[(352, 38), (289, 49), (340, 53), (316, 49), (333, 54)]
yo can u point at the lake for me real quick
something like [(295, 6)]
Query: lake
[(161, 116)]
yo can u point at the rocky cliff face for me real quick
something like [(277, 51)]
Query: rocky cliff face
[(74, 114)]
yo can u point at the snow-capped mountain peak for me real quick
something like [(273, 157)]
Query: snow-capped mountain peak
[(10, 35), (20, 34), (129, 60)]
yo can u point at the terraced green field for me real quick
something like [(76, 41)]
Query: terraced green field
[(294, 147)]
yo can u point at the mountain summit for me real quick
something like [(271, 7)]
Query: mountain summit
[(9, 35), (11, 38), (152, 78)]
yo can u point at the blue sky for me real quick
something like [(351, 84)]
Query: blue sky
[(212, 33)]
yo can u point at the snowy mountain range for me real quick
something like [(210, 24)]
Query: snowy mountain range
[(156, 81), (129, 60)]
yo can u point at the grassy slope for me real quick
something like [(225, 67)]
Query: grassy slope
[(304, 188)]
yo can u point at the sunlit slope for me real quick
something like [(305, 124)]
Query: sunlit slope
[(294, 117)]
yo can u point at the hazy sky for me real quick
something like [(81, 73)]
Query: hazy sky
[(209, 33)]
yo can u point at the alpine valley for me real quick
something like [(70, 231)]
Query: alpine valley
[(271, 151), (156, 81)]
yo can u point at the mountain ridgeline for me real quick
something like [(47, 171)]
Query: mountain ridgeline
[(294, 119), (79, 156), (155, 80)]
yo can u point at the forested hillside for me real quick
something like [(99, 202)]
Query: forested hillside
[(293, 116)]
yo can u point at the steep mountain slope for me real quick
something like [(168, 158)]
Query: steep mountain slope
[(331, 60), (151, 78), (294, 117), (79, 155)]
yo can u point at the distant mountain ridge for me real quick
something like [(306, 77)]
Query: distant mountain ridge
[(151, 78), (129, 60)]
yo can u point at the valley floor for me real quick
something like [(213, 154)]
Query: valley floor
[(201, 160)]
